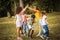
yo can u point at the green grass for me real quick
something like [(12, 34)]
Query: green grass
[(8, 29)]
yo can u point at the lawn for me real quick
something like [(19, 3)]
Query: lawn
[(8, 29)]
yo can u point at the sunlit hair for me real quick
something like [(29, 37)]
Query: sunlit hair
[(36, 7), (43, 12), (18, 10)]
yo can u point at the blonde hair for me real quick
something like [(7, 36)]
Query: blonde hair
[(43, 12)]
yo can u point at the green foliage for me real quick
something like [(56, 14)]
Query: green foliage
[(48, 5), (5, 5)]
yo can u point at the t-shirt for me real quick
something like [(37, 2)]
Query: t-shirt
[(29, 21), (18, 18), (43, 20), (24, 18), (38, 14)]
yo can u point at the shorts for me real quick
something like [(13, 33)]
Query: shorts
[(18, 24), (31, 27)]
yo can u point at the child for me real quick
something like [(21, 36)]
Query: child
[(18, 19), (24, 20), (38, 16), (30, 25), (44, 24)]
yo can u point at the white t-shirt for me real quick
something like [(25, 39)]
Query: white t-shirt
[(29, 21), (42, 21), (18, 20), (18, 17)]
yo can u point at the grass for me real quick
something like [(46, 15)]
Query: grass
[(8, 29)]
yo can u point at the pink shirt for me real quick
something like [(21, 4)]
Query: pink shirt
[(24, 18)]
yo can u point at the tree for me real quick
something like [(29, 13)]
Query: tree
[(21, 3), (9, 6)]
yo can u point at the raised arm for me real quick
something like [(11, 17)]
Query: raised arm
[(24, 9), (31, 9)]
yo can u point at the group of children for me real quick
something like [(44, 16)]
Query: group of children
[(24, 24)]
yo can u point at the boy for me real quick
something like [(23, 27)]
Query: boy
[(30, 25)]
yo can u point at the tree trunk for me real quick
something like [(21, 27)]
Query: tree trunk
[(8, 15), (14, 7), (21, 3)]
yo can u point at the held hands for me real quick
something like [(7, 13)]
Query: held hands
[(24, 9), (27, 6)]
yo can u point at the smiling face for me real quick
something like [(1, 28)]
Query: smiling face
[(35, 7)]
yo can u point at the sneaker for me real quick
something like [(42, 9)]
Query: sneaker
[(47, 38), (19, 38), (24, 34), (42, 36), (29, 36)]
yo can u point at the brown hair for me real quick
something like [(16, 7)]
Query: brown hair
[(18, 10), (36, 7), (43, 12)]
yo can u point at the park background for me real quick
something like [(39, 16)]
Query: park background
[(7, 12)]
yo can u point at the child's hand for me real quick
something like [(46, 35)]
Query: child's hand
[(46, 22), (27, 5)]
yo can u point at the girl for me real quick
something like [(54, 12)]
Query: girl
[(24, 20), (44, 24), (18, 20), (30, 25)]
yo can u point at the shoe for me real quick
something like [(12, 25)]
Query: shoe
[(24, 34), (42, 36), (47, 38), (29, 36), (19, 38)]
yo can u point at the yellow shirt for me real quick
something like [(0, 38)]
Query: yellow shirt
[(38, 14)]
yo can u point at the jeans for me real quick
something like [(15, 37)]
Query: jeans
[(25, 28), (45, 27)]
